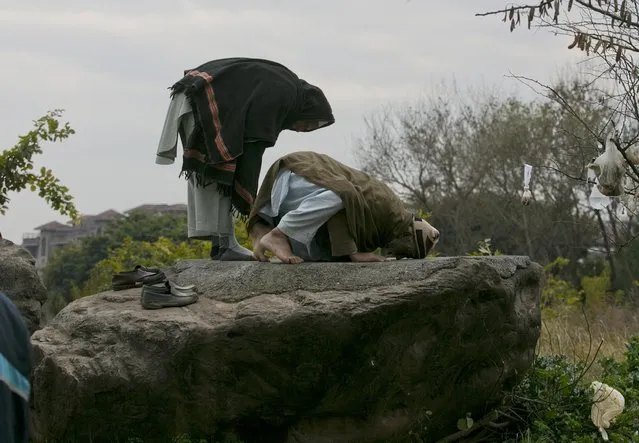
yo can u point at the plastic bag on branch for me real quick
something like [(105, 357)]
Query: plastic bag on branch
[(610, 170), (526, 198), (597, 200)]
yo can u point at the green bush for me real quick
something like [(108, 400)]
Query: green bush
[(554, 401), (557, 290), (553, 404)]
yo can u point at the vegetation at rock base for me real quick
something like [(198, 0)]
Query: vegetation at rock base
[(554, 400), (589, 332), (17, 170)]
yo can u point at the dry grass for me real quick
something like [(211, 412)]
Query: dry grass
[(581, 333)]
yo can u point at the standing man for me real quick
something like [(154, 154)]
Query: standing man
[(227, 112), (15, 368)]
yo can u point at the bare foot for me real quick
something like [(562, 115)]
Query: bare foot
[(259, 230), (276, 242)]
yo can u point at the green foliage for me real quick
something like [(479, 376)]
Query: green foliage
[(84, 268), (17, 171), (161, 253), (145, 226), (554, 400), (484, 248), (594, 290), (69, 267), (557, 290), (242, 236), (625, 374), (598, 288), (186, 439), (552, 403), (423, 214)]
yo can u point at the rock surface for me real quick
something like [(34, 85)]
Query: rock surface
[(21, 283), (330, 352)]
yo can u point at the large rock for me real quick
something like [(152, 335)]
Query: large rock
[(334, 353), (21, 283)]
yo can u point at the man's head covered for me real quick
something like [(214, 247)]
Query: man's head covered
[(420, 239)]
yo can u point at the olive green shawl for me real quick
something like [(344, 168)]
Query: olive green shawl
[(374, 213)]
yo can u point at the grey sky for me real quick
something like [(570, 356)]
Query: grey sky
[(108, 64)]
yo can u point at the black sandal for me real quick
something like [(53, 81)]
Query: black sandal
[(140, 275)]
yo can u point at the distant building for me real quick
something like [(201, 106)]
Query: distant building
[(54, 235), (159, 209)]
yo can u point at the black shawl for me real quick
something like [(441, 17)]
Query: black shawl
[(240, 106)]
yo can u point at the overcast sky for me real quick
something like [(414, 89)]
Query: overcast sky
[(109, 63)]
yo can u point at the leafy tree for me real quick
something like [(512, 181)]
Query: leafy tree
[(17, 171), (71, 265), (69, 269), (162, 252), (159, 252), (148, 227)]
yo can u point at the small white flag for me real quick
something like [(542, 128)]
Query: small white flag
[(526, 198)]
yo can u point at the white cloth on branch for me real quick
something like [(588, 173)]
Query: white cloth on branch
[(610, 169)]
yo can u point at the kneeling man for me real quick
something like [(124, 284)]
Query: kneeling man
[(314, 208)]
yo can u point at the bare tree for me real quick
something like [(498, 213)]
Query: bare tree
[(607, 32), (461, 156)]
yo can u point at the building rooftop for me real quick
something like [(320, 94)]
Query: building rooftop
[(109, 215), (53, 226), (102, 216), (158, 208)]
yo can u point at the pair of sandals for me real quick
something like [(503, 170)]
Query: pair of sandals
[(157, 290)]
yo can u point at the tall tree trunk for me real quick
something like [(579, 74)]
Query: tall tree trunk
[(527, 234), (611, 259)]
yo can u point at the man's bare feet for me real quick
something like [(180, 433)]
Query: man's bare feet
[(258, 231), (277, 242)]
